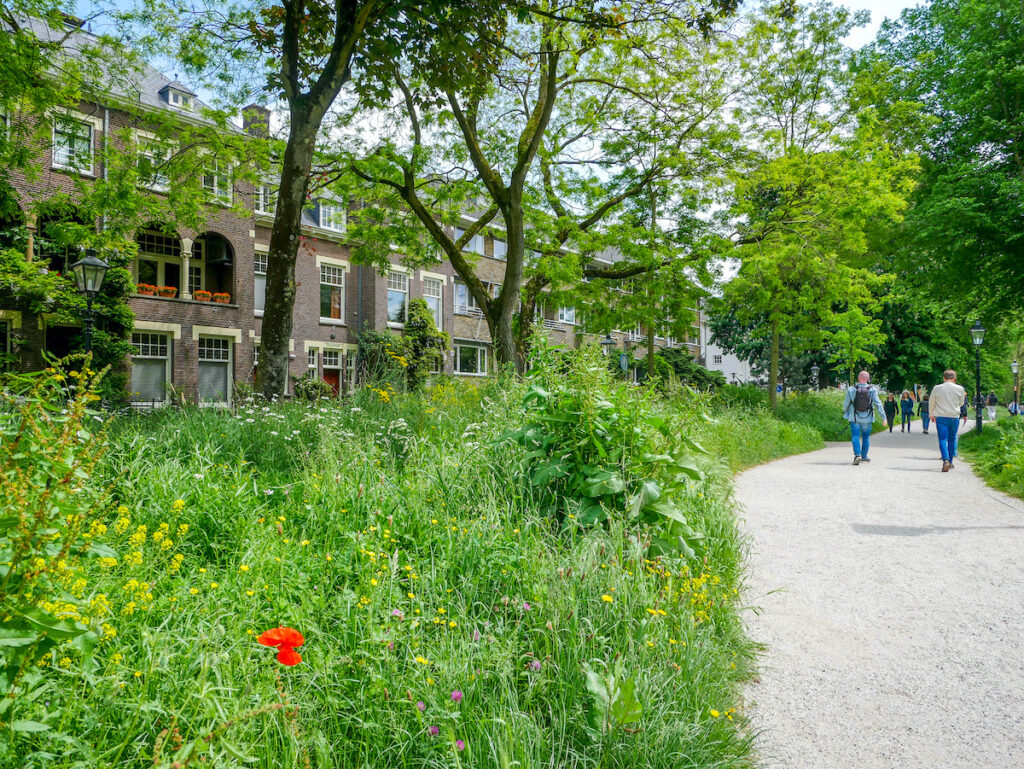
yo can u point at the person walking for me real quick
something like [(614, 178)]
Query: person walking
[(992, 402), (890, 407), (859, 405), (906, 410), (945, 402), (922, 411)]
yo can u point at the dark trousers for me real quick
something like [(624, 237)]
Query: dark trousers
[(907, 419)]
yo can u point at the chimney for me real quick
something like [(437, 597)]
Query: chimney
[(256, 121)]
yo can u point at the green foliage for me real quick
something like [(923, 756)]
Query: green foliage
[(821, 410), (50, 516), (613, 704), (997, 454), (426, 344), (596, 451), (690, 372), (311, 388), (383, 358)]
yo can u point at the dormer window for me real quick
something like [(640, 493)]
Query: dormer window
[(332, 216), (177, 96)]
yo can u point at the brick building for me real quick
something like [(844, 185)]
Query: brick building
[(203, 348)]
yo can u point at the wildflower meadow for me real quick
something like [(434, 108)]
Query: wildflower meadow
[(393, 580)]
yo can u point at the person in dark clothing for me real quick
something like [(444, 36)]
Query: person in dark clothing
[(992, 401), (922, 411), (889, 407), (907, 411)]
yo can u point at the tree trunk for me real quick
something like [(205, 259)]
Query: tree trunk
[(773, 367), (650, 351), (272, 372)]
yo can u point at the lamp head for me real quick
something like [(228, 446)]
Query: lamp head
[(977, 333), (814, 370), (89, 272), (1014, 367)]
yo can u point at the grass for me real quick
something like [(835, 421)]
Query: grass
[(997, 454), (399, 535)]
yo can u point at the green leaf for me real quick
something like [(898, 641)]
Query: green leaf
[(603, 483), (8, 522), (29, 726), (47, 624), (97, 550)]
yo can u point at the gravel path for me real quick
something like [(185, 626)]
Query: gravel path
[(891, 602)]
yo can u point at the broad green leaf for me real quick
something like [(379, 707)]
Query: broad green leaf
[(29, 726)]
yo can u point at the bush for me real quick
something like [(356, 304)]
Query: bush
[(689, 371), (312, 388), (998, 454)]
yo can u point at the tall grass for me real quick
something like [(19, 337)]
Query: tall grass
[(403, 540), (998, 454)]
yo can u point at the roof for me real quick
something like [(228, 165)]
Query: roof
[(140, 84)]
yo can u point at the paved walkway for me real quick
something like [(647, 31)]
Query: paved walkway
[(891, 604)]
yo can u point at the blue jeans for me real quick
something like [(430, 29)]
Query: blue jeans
[(908, 417), (860, 435), (946, 428)]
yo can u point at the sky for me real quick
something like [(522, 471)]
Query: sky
[(880, 10)]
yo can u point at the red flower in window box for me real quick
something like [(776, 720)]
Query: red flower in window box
[(201, 295), (285, 639), (220, 298), (145, 289), (167, 292)]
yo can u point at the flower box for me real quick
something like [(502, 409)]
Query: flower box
[(145, 289), (222, 298), (201, 295), (167, 292)]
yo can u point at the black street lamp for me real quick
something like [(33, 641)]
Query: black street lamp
[(815, 369), (607, 344), (977, 337), (1015, 368), (89, 272)]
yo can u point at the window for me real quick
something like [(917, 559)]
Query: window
[(350, 372), (332, 292), (259, 268), (217, 180), (716, 360), (264, 199), (500, 249), (151, 364), (433, 290), (179, 99), (398, 297), (332, 369), (567, 315), (195, 277), (475, 244), (158, 244), (72, 145), (312, 366), (152, 161), (214, 369), (332, 217), (464, 300), (470, 359)]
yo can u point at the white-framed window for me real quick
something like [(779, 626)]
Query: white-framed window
[(567, 315), (214, 369), (259, 279), (73, 145), (332, 358), (332, 216), (151, 367), (350, 372), (465, 302), (716, 360), (312, 365), (182, 101), (433, 295), (195, 277), (398, 297), (151, 163), (500, 249), (475, 244), (471, 359), (217, 180), (437, 362), (264, 199), (332, 293)]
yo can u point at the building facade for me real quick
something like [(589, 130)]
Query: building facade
[(201, 293)]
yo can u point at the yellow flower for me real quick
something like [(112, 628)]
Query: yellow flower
[(193, 590), (607, 598), (250, 592), (138, 674), (243, 567), (214, 584), (715, 713), (178, 506), (65, 662), (422, 660), (373, 582)]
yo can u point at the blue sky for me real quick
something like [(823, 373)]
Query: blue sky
[(880, 10)]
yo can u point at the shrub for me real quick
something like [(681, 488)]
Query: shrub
[(689, 371), (311, 388)]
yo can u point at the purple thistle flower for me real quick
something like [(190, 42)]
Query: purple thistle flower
[(526, 606), (398, 613), (476, 634), (456, 696), (433, 731), (460, 745), (535, 664), (421, 706)]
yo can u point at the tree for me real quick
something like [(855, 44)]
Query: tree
[(821, 176), (300, 54), (961, 60), (853, 337), (584, 110)]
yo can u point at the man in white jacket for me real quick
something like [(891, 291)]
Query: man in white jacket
[(945, 401)]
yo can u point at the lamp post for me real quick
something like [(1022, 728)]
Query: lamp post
[(89, 272), (815, 370), (977, 337), (1015, 368)]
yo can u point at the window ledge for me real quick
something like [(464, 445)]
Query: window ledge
[(464, 373), (72, 170), (393, 324), (332, 322), (230, 305)]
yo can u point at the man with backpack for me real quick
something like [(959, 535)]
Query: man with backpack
[(859, 409), (992, 402)]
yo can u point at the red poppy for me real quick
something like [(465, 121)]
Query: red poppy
[(285, 639)]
